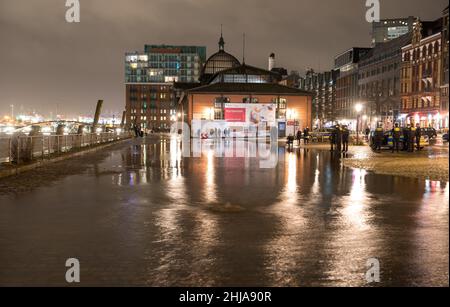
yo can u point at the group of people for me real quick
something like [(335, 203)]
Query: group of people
[(300, 135), (408, 138), (340, 137)]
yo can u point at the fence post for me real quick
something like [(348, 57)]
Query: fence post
[(10, 150), (31, 148), (18, 150)]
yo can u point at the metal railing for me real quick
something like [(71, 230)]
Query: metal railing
[(22, 149)]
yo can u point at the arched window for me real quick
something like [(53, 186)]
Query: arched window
[(436, 47), (424, 51), (406, 57)]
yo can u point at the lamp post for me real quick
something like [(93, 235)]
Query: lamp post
[(358, 109)]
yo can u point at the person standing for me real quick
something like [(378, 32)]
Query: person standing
[(412, 138), (290, 141), (345, 138), (396, 134), (306, 135), (367, 132), (418, 136), (333, 138), (338, 138), (299, 136), (379, 135), (406, 133)]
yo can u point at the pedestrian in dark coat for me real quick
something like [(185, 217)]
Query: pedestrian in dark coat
[(338, 138), (306, 135), (418, 136), (345, 138), (333, 138), (412, 139), (406, 137), (299, 136)]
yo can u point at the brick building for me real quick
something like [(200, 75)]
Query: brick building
[(421, 75)]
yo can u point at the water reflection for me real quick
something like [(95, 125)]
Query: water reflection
[(323, 221), (218, 219)]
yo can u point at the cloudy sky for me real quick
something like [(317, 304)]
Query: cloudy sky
[(46, 63)]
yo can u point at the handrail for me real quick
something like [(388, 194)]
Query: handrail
[(23, 148)]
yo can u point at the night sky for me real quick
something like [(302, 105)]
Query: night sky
[(47, 63)]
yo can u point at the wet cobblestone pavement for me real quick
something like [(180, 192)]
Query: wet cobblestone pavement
[(139, 214)]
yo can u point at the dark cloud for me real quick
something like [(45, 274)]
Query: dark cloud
[(46, 62)]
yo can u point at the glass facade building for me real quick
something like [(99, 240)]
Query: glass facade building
[(162, 63), (150, 79)]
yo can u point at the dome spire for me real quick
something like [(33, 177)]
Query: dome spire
[(221, 41)]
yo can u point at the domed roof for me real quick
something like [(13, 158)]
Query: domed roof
[(218, 62)]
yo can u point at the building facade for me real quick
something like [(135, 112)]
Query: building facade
[(379, 82), (389, 29), (323, 85), (241, 99), (347, 90), (149, 83), (421, 77), (445, 67)]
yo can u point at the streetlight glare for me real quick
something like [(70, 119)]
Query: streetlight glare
[(358, 107)]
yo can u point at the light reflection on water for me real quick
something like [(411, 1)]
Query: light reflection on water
[(223, 221), (322, 221)]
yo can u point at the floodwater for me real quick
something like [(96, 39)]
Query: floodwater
[(140, 214)]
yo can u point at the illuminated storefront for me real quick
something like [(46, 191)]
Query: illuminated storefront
[(240, 108)]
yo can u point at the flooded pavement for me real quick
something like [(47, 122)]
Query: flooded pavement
[(139, 214), (430, 163)]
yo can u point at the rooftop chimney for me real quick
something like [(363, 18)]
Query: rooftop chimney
[(272, 61)]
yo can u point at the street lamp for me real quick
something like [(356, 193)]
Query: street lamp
[(358, 109)]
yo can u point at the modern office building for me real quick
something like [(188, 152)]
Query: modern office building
[(379, 82), (323, 85), (347, 95), (149, 81), (421, 76), (389, 29)]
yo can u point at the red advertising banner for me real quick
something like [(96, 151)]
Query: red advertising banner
[(236, 115)]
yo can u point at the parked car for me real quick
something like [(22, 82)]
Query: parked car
[(322, 135), (388, 141), (430, 132)]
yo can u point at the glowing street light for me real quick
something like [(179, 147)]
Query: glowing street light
[(358, 109)]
